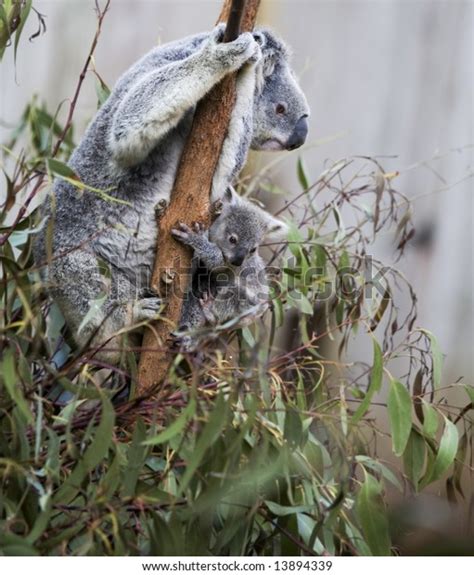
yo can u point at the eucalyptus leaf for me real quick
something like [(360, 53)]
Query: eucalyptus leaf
[(372, 516), (399, 411), (375, 383)]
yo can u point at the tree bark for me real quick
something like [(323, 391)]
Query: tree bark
[(189, 202)]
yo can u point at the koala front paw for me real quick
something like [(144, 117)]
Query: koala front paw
[(146, 308), (188, 236), (233, 55)]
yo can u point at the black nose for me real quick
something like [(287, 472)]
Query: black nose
[(237, 260), (298, 137)]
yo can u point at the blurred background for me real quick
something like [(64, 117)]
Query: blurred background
[(386, 78)]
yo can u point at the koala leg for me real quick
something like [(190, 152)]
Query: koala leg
[(237, 143), (233, 302), (156, 104), (208, 308), (95, 307)]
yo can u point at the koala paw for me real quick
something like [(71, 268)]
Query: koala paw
[(181, 340), (216, 209), (207, 307), (160, 208), (232, 55), (188, 236), (146, 309), (167, 276), (257, 54)]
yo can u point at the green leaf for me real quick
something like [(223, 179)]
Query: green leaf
[(446, 454), (303, 180), (283, 510), (18, 31), (207, 437), (41, 523), (248, 337), (175, 428), (379, 468), (102, 91), (293, 429), (295, 239), (137, 453), (303, 303), (414, 457), (93, 455), (430, 420), (12, 384), (399, 411), (470, 392), (372, 516), (375, 383), (61, 169)]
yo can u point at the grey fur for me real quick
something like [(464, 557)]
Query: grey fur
[(131, 150), (228, 277)]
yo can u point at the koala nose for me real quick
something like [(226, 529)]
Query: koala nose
[(299, 134), (237, 260)]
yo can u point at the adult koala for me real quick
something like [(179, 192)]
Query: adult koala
[(131, 151)]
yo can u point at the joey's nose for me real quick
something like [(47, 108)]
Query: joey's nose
[(237, 260), (298, 137)]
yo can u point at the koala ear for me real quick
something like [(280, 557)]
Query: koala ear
[(259, 37), (275, 228), (230, 197)]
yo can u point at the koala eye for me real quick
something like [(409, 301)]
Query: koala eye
[(253, 250), (233, 239), (280, 108)]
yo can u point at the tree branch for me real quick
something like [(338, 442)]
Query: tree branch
[(189, 202)]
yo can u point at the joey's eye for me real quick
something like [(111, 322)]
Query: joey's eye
[(253, 250), (233, 239), (280, 108)]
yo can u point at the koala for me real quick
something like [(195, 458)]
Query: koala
[(228, 276), (127, 161)]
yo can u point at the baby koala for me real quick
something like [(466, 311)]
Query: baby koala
[(228, 276)]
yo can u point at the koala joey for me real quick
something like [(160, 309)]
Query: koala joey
[(228, 276), (131, 151)]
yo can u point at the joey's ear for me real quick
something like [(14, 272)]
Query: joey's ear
[(275, 228), (230, 196)]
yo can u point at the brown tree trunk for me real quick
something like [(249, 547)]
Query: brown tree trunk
[(189, 202)]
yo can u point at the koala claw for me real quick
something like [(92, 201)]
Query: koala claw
[(182, 232), (216, 209), (147, 308), (185, 234), (160, 208), (198, 227), (167, 276)]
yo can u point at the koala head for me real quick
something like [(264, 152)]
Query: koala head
[(240, 228), (280, 108)]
